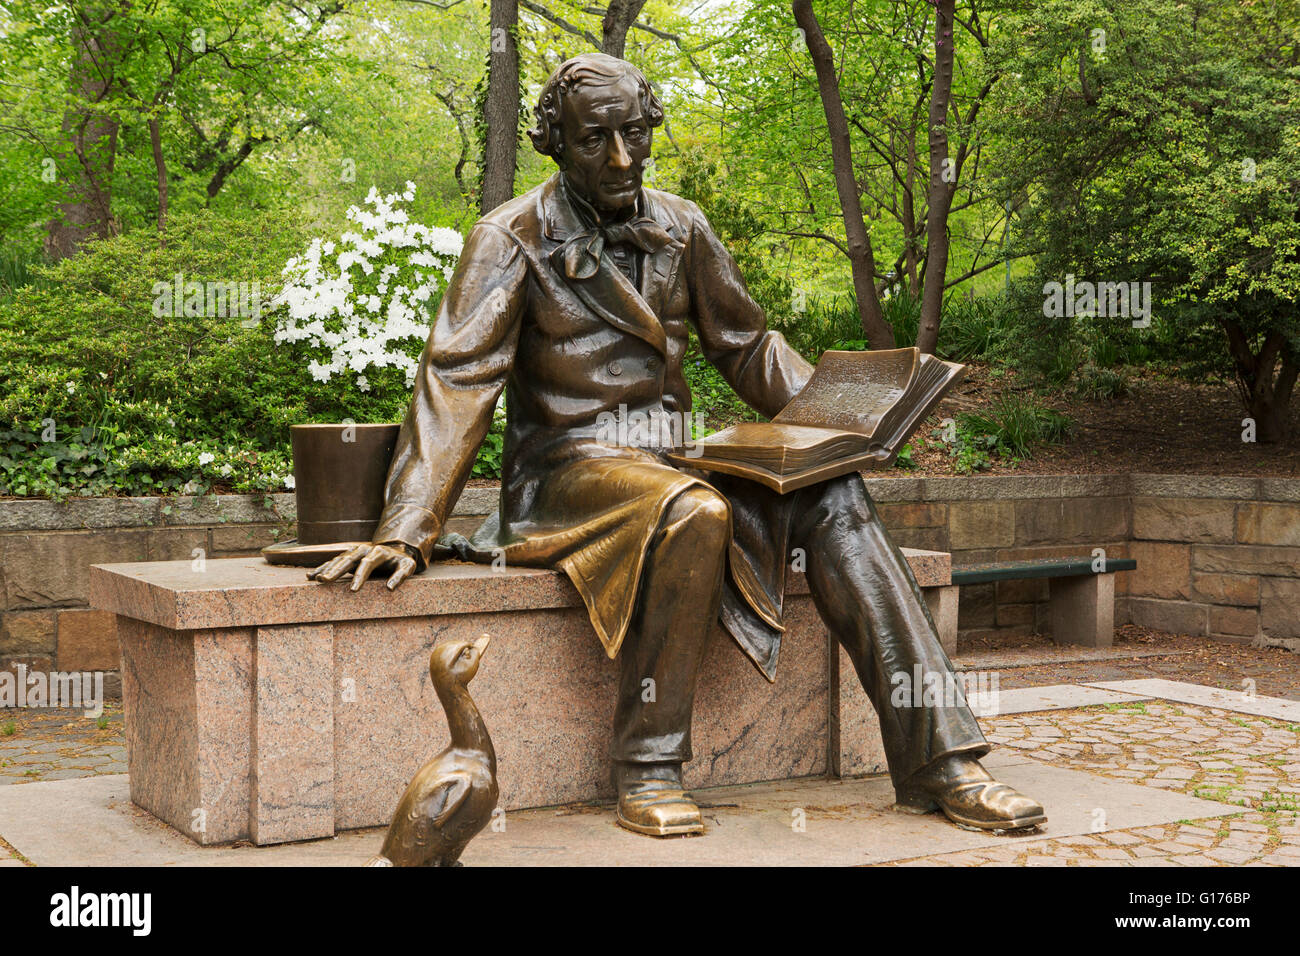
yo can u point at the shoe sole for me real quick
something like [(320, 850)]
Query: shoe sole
[(996, 826), (681, 829)]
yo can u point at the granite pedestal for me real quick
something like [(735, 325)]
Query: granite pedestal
[(262, 706)]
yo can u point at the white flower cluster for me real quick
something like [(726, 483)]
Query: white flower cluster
[(367, 303)]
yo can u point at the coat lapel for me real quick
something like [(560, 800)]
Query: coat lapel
[(608, 293)]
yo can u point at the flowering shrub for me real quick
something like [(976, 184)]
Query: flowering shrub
[(364, 303)]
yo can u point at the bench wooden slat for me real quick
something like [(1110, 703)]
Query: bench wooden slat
[(1038, 568)]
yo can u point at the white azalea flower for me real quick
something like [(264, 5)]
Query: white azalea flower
[(347, 330)]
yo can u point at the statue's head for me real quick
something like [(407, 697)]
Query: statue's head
[(595, 118)]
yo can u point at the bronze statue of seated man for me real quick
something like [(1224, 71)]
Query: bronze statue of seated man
[(575, 299)]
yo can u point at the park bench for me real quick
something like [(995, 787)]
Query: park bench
[(1081, 592)]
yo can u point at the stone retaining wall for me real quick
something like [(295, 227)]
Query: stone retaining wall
[(1216, 556)]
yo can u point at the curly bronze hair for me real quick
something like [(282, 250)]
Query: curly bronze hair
[(586, 68)]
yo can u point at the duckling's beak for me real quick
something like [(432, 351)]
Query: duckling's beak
[(481, 644)]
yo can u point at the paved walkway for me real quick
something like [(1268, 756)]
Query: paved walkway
[(1240, 760), (1217, 755)]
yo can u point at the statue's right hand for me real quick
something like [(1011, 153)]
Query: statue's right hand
[(362, 560)]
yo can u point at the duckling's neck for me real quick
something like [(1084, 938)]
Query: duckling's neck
[(467, 729)]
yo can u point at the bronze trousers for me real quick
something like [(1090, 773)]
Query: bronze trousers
[(860, 583)]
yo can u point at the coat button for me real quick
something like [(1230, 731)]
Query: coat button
[(615, 368)]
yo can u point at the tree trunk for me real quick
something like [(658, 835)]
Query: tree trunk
[(160, 165), (619, 17), (90, 140), (501, 107), (909, 222), (941, 168), (861, 258), (1267, 398)]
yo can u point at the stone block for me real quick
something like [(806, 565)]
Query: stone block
[(1083, 610), (977, 606), (293, 794), (1163, 570), (923, 539), (24, 665), (943, 603), (188, 701), (1237, 621), (229, 540), (981, 524), (1183, 519), (1176, 617), (1279, 607), (1011, 615), (916, 514), (1268, 523), (1279, 489), (88, 641), (1246, 559), (1094, 520), (178, 544), (1021, 591), (1037, 521), (1234, 589), (856, 745), (53, 569), (1194, 486), (26, 632), (280, 730), (217, 510), (77, 514)]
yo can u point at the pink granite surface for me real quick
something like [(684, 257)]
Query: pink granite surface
[(158, 692), (547, 693), (248, 592), (292, 794), (288, 731), (223, 681)]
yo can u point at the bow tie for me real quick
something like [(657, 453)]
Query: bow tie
[(581, 253)]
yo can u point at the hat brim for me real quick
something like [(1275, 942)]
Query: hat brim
[(294, 554)]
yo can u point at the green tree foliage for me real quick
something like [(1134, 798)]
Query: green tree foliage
[(1159, 141)]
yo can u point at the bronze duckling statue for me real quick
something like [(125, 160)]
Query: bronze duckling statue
[(451, 798)]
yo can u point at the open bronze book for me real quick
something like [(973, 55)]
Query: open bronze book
[(856, 412)]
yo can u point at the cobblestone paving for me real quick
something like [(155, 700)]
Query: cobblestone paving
[(1237, 759), (60, 744), (1251, 762)]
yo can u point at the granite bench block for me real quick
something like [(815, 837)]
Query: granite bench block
[(242, 725)]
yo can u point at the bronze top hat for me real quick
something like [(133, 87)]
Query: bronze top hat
[(339, 473)]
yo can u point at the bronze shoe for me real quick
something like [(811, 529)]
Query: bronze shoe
[(653, 802), (969, 797)]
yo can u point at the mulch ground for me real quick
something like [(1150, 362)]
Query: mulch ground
[(1165, 426), (1194, 660)]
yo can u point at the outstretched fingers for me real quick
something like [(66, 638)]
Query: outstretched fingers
[(405, 568), (335, 568)]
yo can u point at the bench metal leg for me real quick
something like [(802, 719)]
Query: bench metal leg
[(1083, 610), (943, 608)]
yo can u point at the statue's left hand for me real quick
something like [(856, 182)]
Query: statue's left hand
[(362, 560)]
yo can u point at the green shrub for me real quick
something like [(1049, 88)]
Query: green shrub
[(103, 396), (1103, 384), (1010, 429)]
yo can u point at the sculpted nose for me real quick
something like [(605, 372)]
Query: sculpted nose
[(619, 157)]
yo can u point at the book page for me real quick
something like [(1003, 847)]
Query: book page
[(853, 390)]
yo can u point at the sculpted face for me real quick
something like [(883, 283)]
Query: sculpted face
[(606, 143)]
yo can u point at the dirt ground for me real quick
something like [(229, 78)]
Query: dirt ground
[(1166, 426), (1195, 660)]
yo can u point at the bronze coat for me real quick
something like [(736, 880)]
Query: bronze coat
[(566, 350)]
